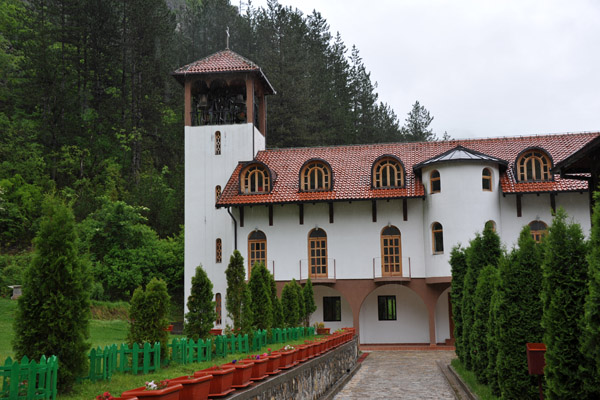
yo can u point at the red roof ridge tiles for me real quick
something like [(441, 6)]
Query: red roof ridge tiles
[(351, 165)]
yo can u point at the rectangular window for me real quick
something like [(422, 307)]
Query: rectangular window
[(386, 306), (332, 308)]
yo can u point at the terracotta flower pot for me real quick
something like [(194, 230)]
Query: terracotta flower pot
[(171, 392), (125, 398), (287, 359), (302, 353), (220, 384), (194, 388), (259, 369), (323, 331), (273, 364), (242, 374), (216, 331)]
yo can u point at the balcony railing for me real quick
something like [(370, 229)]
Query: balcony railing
[(328, 272), (383, 274)]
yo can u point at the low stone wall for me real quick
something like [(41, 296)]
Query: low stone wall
[(309, 380)]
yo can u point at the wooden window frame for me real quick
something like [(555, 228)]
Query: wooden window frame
[(257, 244), (391, 253), (437, 236), (316, 176), (387, 308), (492, 223), (486, 179), (538, 234), (387, 170), (332, 308), (317, 262), (252, 178), (534, 166), (218, 250), (217, 192), (435, 181), (217, 143)]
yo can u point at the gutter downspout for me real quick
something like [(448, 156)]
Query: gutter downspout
[(234, 228)]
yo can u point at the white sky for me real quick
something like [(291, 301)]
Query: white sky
[(482, 68)]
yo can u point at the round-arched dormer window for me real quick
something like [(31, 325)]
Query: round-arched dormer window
[(533, 166), (255, 179), (387, 172), (316, 175)]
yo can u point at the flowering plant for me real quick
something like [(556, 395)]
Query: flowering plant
[(153, 386), (288, 347), (234, 361), (104, 396), (269, 351)]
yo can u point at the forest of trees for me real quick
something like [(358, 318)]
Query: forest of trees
[(89, 111)]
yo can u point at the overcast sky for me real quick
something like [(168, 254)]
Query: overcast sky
[(482, 68)]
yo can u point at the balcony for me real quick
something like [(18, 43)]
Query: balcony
[(323, 271), (390, 273)]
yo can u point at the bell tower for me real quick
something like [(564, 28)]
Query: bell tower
[(225, 123)]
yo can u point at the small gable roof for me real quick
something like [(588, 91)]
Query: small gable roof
[(460, 153)]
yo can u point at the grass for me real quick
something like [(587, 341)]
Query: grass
[(7, 315), (483, 392)]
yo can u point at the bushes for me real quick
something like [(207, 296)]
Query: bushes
[(201, 313), (260, 291), (458, 262), (236, 287), (289, 303)]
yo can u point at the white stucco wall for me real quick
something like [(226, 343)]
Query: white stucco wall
[(321, 291)]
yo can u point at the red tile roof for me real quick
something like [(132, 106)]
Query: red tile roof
[(221, 61), (352, 168)]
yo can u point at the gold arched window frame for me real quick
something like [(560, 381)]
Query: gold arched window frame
[(538, 230), (315, 176), (391, 251), (255, 179), (257, 249), (435, 181), (437, 238), (387, 173), (534, 166), (218, 309)]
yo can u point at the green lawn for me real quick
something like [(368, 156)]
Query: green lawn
[(7, 315), (483, 392)]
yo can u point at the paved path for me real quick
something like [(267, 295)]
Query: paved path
[(400, 375)]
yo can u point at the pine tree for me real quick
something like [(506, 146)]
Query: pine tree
[(53, 313), (201, 314), (591, 346), (519, 311), (416, 126), (563, 295), (481, 313), (458, 262), (236, 285), (309, 301), (260, 291), (289, 303)]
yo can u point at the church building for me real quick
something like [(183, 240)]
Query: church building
[(371, 225)]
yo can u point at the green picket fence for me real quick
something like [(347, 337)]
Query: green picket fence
[(186, 351), (103, 363), (229, 344), (259, 340), (28, 379)]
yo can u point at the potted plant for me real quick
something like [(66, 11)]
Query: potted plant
[(220, 384), (259, 369), (242, 374), (216, 331), (287, 357), (154, 391), (194, 387), (320, 328), (274, 361)]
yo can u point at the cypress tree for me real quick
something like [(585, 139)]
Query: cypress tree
[(247, 318), (260, 291), (458, 262), (277, 309), (53, 313), (591, 345), (519, 313), (301, 305), (236, 285), (201, 314), (481, 314), (309, 301), (563, 295), (289, 303), (491, 371)]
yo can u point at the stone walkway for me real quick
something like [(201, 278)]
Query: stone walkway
[(400, 375)]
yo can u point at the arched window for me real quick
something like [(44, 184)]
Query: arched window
[(391, 251), (218, 251), (314, 176), (255, 179), (435, 181), (437, 236), (533, 165), (218, 308), (387, 173), (217, 143), (217, 192), (257, 249), (490, 225), (486, 179), (538, 229), (317, 253)]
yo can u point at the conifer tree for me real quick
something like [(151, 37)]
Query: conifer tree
[(592, 303), (301, 304), (309, 301), (201, 314), (260, 291), (491, 372), (564, 280), (519, 311), (458, 262), (289, 303), (247, 318), (481, 312), (236, 285), (53, 313), (276, 302), (416, 126)]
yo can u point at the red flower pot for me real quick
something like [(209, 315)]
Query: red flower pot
[(287, 359), (302, 353), (242, 374), (220, 384), (194, 388), (125, 398), (311, 348), (323, 331), (259, 369), (171, 392), (216, 331), (273, 364)]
